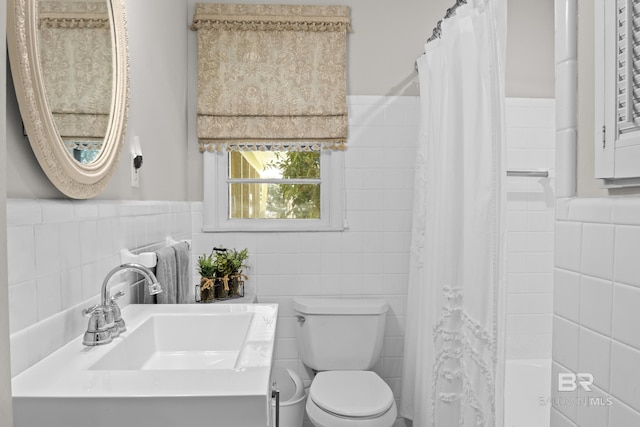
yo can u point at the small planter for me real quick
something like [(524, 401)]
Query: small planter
[(205, 290), (222, 291), (236, 287)]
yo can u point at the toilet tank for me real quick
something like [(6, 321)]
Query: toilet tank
[(340, 334)]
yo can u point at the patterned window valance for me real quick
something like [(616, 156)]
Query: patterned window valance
[(271, 76), (76, 57)]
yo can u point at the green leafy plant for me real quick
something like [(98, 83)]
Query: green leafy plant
[(206, 266), (229, 262), (299, 200)]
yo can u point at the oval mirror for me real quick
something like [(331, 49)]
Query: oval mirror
[(70, 70)]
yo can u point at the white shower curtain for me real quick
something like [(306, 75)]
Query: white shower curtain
[(453, 360)]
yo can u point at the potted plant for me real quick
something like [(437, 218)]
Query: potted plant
[(207, 271), (229, 265)]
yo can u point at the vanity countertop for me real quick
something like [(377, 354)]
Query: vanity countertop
[(117, 375)]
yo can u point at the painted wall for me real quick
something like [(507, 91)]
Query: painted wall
[(383, 46), (6, 413), (157, 114), (530, 49)]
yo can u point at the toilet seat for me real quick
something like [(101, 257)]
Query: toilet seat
[(350, 399)]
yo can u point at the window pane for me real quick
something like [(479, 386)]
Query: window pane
[(274, 201), (274, 165)]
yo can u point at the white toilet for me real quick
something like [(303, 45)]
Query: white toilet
[(341, 339)]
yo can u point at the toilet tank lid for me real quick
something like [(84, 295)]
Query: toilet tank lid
[(340, 306)]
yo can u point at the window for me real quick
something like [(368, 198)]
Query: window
[(617, 92), (272, 115), (273, 190)]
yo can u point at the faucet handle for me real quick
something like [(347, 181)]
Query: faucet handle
[(86, 312), (118, 295), (97, 330), (117, 316)]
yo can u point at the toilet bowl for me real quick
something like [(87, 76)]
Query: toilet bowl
[(341, 340), (350, 399)]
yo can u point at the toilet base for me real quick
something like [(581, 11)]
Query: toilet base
[(321, 418)]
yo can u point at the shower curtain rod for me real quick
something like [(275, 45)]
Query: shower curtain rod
[(437, 30)]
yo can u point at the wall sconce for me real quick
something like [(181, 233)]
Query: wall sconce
[(136, 161)]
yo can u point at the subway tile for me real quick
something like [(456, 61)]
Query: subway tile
[(23, 212), (71, 287), (23, 299), (568, 246), (597, 250), (287, 264), (529, 303), (85, 209), (392, 367), (530, 283), (625, 375), (567, 410), (517, 116), (562, 208), (21, 355), (566, 295), (286, 348), (595, 357), (57, 211), (596, 413), (626, 315), (49, 299), (47, 248), (596, 301), (626, 211), (565, 343), (352, 242), (69, 245), (20, 253), (597, 210), (557, 419), (530, 324), (627, 246), (395, 115), (88, 241), (621, 415)]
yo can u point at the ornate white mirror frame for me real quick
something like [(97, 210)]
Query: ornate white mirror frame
[(74, 179)]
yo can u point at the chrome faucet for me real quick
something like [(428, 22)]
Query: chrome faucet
[(106, 322)]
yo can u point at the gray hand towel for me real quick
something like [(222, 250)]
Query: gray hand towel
[(166, 274), (183, 272)]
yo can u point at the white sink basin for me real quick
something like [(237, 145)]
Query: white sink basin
[(181, 341), (193, 365)]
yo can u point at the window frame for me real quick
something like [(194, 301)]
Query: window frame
[(617, 154), (216, 198)]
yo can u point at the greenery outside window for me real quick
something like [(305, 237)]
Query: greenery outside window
[(273, 191)]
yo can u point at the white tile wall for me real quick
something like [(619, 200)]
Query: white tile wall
[(60, 251), (370, 258), (530, 232), (596, 264)]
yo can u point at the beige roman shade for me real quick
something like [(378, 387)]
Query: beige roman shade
[(77, 66), (271, 77)]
